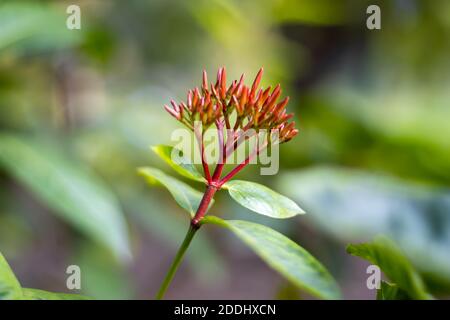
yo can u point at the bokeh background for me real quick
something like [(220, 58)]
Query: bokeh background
[(79, 110)]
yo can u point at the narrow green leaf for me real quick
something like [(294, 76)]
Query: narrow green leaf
[(390, 291), (385, 254), (36, 294), (186, 196), (9, 285), (283, 255), (178, 162), (262, 199), (72, 191)]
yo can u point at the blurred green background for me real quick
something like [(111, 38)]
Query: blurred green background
[(80, 108)]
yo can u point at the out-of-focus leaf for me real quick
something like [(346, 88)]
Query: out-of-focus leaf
[(69, 189), (34, 26), (178, 162), (36, 294), (262, 199), (385, 254), (390, 291), (355, 205), (415, 135), (418, 118), (283, 255), (187, 197), (9, 285)]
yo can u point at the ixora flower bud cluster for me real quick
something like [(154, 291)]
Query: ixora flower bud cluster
[(255, 108)]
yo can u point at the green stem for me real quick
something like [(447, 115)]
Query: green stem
[(176, 262)]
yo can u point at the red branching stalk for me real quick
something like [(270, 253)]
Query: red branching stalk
[(241, 166), (213, 104), (201, 143)]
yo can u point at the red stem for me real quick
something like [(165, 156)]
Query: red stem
[(202, 153), (204, 204), (215, 183)]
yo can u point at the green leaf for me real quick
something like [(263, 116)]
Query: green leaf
[(186, 196), (178, 162), (283, 255), (389, 291), (386, 255), (9, 285), (36, 294), (73, 192), (262, 199)]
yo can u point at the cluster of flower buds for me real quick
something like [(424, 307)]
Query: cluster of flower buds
[(255, 108)]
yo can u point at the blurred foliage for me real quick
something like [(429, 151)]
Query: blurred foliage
[(68, 189), (385, 254), (354, 205), (79, 109)]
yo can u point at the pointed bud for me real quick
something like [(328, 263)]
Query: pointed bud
[(273, 98), (174, 105), (256, 82), (189, 100), (232, 88), (280, 106), (285, 117), (205, 81), (223, 83), (257, 97), (244, 98), (240, 85), (290, 135), (287, 128), (215, 93), (196, 97), (238, 105), (182, 108), (219, 78), (263, 97), (172, 112)]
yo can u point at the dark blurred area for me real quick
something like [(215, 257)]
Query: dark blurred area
[(80, 108)]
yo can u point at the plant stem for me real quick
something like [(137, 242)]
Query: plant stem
[(194, 226), (204, 204), (176, 262)]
